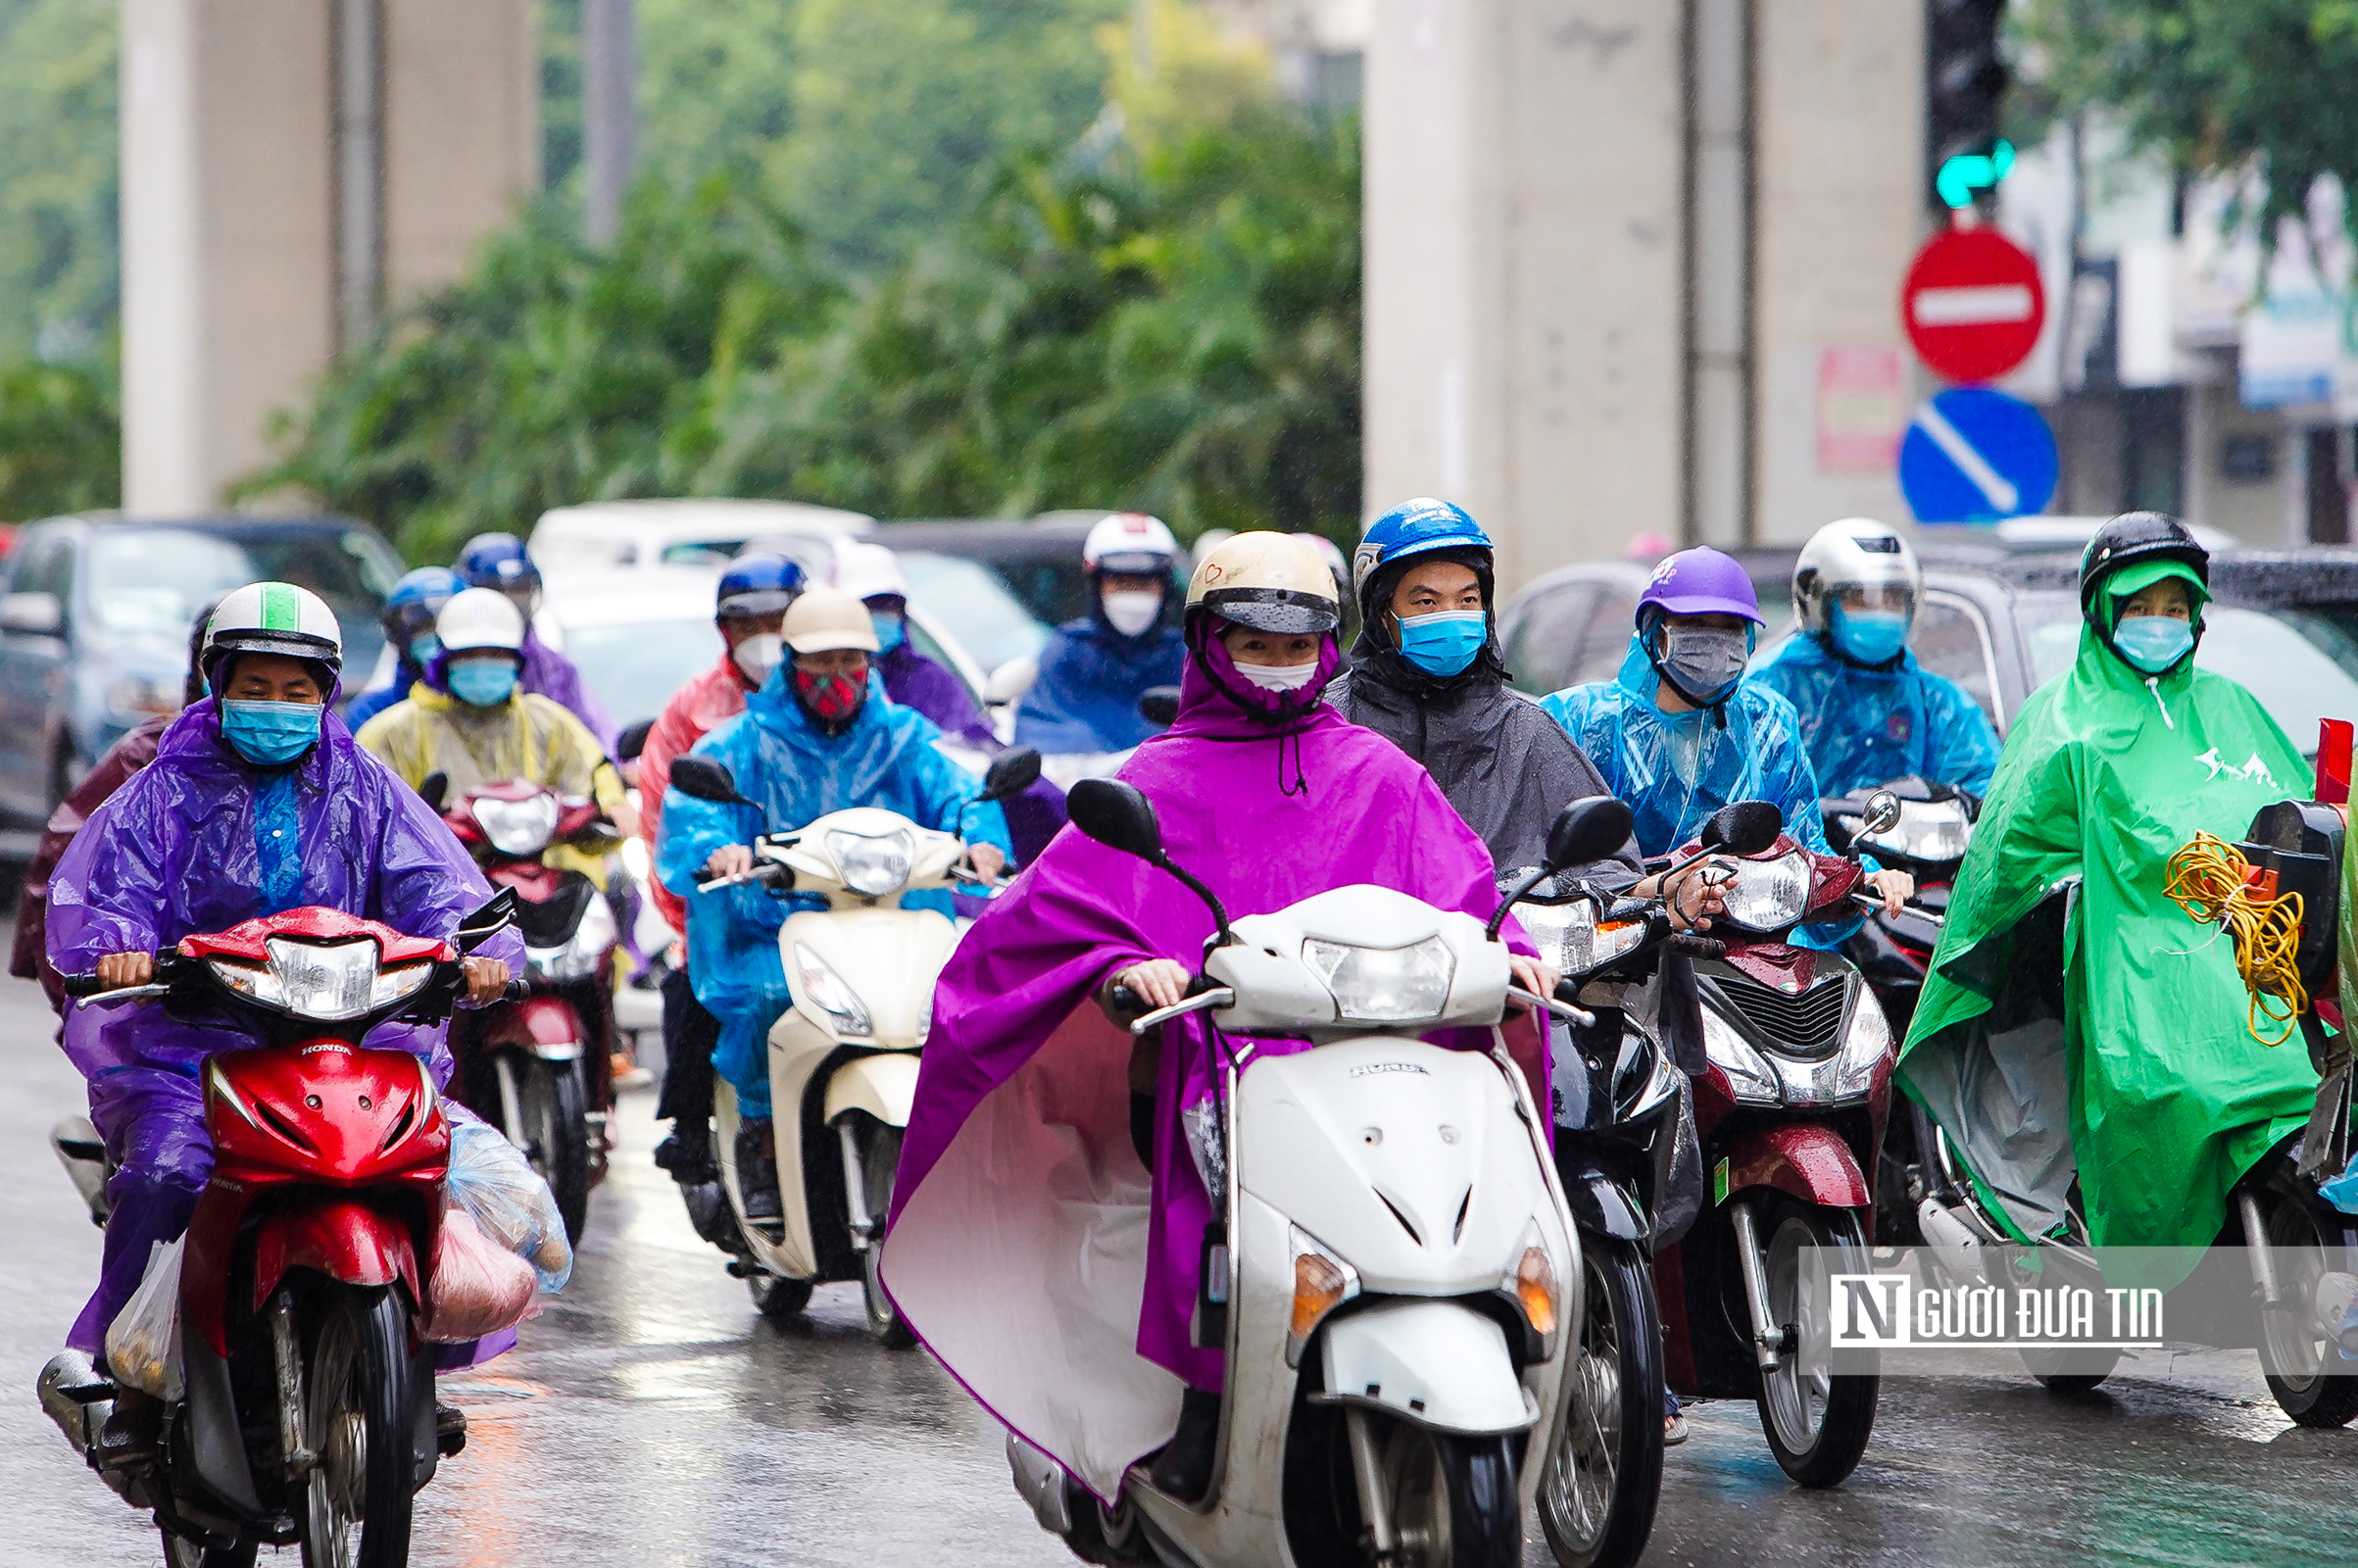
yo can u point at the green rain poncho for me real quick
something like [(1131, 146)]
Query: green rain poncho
[(2147, 1086)]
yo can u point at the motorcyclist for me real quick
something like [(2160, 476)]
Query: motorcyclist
[(1094, 669), (470, 721), (257, 802), (749, 608), (2071, 1026), (408, 622), (872, 574), (500, 561), (1680, 733), (1271, 797), (1870, 713), (819, 736), (30, 959)]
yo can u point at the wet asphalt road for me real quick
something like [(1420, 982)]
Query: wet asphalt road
[(650, 1419)]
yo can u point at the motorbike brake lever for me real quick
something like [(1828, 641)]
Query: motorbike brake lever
[(1562, 1009), (1219, 996)]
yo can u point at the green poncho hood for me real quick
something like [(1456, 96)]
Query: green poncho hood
[(2102, 1035)]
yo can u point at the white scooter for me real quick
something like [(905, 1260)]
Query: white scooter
[(1396, 1264), (843, 1058)]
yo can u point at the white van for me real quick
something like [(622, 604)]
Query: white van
[(690, 532)]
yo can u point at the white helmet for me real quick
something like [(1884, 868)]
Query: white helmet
[(272, 618), (1274, 582), (1855, 553), (481, 618), (826, 619), (1130, 543), (869, 571)]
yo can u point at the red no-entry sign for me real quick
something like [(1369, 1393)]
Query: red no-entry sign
[(1973, 304)]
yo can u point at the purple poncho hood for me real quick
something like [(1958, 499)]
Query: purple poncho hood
[(1019, 1243)]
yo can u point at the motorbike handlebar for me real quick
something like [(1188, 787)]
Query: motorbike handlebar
[(89, 985), (1689, 945)]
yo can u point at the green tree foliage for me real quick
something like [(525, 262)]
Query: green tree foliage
[(61, 442), (2216, 86), (1176, 330), (58, 274)]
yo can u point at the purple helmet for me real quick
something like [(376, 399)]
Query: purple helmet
[(1702, 581)]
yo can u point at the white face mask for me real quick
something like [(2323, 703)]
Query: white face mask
[(1278, 677), (1131, 612), (758, 655)]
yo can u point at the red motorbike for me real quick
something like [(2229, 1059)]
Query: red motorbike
[(541, 1069), (304, 1411), (1790, 1112)]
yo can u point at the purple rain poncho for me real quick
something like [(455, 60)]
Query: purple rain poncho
[(178, 851), (1028, 1248), (556, 678)]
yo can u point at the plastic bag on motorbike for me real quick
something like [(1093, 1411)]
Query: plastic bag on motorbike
[(143, 1342), (492, 1181), (477, 1287)]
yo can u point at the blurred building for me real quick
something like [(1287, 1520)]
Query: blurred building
[(290, 169)]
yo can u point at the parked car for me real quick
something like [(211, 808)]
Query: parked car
[(1038, 558), (94, 625), (644, 534)]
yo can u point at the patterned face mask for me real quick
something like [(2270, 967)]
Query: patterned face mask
[(831, 699)]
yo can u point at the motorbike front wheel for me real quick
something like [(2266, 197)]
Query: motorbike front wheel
[(544, 1101), (358, 1419), (1817, 1424), (2295, 1349), (1604, 1475), (181, 1552), (1453, 1500), (776, 1297), (879, 1146)]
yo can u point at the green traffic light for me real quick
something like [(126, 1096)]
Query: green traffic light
[(1968, 173)]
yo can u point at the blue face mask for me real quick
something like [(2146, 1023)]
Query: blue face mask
[(1868, 636), (271, 734), (1446, 643), (423, 649), (482, 682), (2153, 643), (892, 629)]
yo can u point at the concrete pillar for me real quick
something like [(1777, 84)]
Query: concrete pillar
[(256, 232)]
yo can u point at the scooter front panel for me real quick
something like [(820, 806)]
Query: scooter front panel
[(889, 959)]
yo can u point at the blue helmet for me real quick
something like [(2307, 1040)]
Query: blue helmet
[(498, 560), (415, 599), (759, 584), (1412, 528)]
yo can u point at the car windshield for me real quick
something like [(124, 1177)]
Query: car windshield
[(968, 601), (635, 665), (2302, 666), (152, 581)]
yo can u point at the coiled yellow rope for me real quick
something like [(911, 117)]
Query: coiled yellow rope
[(2207, 880)]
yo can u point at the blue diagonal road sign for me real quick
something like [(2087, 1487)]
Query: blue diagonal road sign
[(1972, 454)]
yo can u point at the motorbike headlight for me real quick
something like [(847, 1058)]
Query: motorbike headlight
[(1383, 985), (873, 866), (1569, 936), (1753, 1081), (400, 981), (827, 988), (1927, 830), (580, 954), (325, 980), (250, 980), (1769, 894), (1865, 1044), (635, 862), (1322, 1282), (518, 827)]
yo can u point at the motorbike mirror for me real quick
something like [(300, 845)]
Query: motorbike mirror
[(1589, 829), (1746, 827), (1160, 705), (1117, 815), (435, 789), (1010, 774), (703, 779), (486, 922), (633, 741), (1882, 814)]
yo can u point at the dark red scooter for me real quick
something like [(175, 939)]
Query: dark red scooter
[(306, 1411), (541, 1069), (1790, 1114)]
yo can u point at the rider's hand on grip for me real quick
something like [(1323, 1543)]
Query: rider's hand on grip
[(1694, 947)]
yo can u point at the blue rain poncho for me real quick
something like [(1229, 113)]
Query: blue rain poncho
[(886, 758), (1085, 698), (1866, 727), (1674, 769)]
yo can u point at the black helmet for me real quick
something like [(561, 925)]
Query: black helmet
[(2133, 537)]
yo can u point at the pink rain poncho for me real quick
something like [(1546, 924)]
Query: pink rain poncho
[(179, 850), (1029, 1249)]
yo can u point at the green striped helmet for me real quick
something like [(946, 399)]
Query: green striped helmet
[(274, 618)]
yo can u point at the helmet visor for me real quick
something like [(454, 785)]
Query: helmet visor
[(1273, 610), (1133, 564), (756, 602), (1891, 598)]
